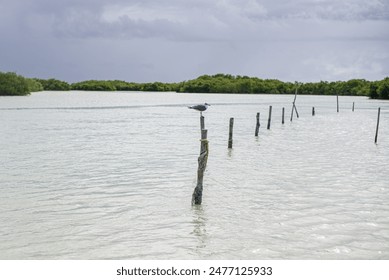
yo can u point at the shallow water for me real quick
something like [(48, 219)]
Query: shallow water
[(108, 175)]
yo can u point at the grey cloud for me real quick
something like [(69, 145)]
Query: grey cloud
[(190, 20), (174, 40), (344, 10)]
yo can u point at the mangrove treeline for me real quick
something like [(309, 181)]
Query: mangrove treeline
[(13, 84)]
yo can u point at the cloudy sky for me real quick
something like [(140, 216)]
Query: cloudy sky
[(176, 40)]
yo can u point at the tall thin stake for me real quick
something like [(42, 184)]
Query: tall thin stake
[(353, 106), (257, 125), (378, 123), (230, 133), (337, 103), (269, 118), (283, 115)]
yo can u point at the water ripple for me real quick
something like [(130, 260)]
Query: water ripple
[(113, 179)]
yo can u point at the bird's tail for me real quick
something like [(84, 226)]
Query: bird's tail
[(190, 107)]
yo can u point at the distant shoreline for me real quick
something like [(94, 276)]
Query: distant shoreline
[(12, 84)]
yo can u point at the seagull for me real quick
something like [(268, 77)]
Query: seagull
[(200, 107)]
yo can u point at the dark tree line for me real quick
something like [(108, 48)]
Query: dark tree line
[(53, 84), (12, 84), (116, 85), (242, 84), (379, 89)]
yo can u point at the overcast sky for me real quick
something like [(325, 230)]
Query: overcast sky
[(176, 40)]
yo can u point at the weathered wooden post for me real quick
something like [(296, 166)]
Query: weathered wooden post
[(294, 108), (353, 106), (297, 113), (313, 111), (378, 124), (202, 124), (269, 118), (283, 115), (203, 158), (230, 133), (337, 103), (257, 125)]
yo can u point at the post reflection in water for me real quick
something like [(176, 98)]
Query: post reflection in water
[(199, 229)]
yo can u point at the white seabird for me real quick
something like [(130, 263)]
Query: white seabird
[(200, 107)]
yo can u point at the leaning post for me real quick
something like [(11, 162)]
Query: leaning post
[(230, 133), (378, 124), (202, 160), (294, 108), (297, 113)]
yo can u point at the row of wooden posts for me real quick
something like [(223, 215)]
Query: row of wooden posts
[(203, 158), (268, 122)]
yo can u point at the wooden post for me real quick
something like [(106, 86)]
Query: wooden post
[(353, 106), (283, 115), (257, 125), (378, 123), (313, 111), (230, 133), (203, 158), (294, 108), (269, 118), (202, 125), (297, 113), (337, 103)]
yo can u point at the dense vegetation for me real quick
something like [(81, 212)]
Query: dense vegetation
[(53, 84), (122, 86), (221, 83), (379, 89), (12, 84)]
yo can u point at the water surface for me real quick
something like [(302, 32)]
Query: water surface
[(109, 175)]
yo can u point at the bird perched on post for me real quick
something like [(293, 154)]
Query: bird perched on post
[(200, 107)]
